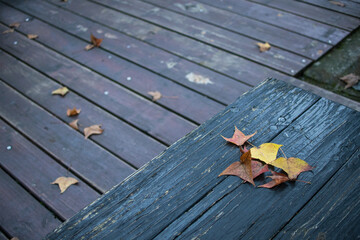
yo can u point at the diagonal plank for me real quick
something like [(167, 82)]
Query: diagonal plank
[(22, 216), (260, 31), (288, 21), (87, 159), (350, 8), (147, 116), (36, 170), (186, 178), (313, 12), (38, 88)]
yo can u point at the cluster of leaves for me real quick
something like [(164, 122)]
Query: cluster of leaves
[(259, 160)]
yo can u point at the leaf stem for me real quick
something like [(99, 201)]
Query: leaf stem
[(283, 153), (251, 144), (302, 181)]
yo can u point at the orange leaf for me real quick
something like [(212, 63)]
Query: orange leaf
[(74, 124), (14, 25), (258, 168), (238, 137), (266, 152), (277, 178), (73, 112), (263, 47), (94, 129), (64, 183), (292, 166), (241, 168), (61, 91), (95, 41), (155, 95), (32, 36)]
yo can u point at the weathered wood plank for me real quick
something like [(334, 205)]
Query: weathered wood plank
[(22, 216), (316, 139), (310, 28), (147, 116), (2, 236), (276, 58), (221, 61), (260, 31), (36, 170), (120, 70), (334, 212), (350, 8), (81, 155), (133, 146), (313, 12), (188, 170), (144, 54)]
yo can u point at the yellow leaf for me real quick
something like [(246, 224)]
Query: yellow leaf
[(94, 129), (61, 91), (64, 183), (292, 166), (266, 152), (263, 46)]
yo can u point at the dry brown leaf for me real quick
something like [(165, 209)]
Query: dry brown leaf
[(264, 46), (89, 46), (64, 183), (258, 168), (155, 95), (94, 129), (32, 36), (277, 178), (60, 91), (73, 112), (340, 4), (14, 25), (96, 42), (350, 80), (74, 124), (10, 30), (238, 137)]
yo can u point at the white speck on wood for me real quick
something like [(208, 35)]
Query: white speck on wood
[(110, 36), (81, 28), (170, 64), (198, 79)]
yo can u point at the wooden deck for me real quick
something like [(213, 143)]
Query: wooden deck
[(149, 45)]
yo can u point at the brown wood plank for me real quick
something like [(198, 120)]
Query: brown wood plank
[(149, 117), (308, 27), (313, 12), (260, 31), (36, 170), (120, 71), (276, 58), (68, 146), (123, 140), (350, 8), (22, 216), (144, 54), (229, 64)]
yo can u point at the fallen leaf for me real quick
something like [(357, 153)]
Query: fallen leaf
[(94, 129), (64, 183), (73, 112), (155, 95), (238, 137), (241, 168), (350, 80), (341, 4), (14, 25), (74, 124), (32, 36), (89, 46), (10, 30), (95, 41), (277, 178), (319, 52), (264, 46), (60, 91), (292, 166), (258, 168), (266, 152)]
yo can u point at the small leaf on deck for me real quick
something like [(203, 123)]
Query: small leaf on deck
[(64, 183), (156, 95), (10, 30), (238, 137), (60, 91), (277, 178), (264, 46), (73, 112), (32, 36), (292, 166), (94, 129), (350, 80), (340, 4), (95, 42), (266, 152), (74, 124), (14, 25)]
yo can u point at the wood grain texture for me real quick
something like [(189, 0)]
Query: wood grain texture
[(276, 58), (310, 28), (174, 181), (83, 156), (206, 55), (334, 212), (22, 216), (259, 31), (151, 118), (114, 68), (133, 146), (144, 54), (313, 12), (36, 170), (350, 8)]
